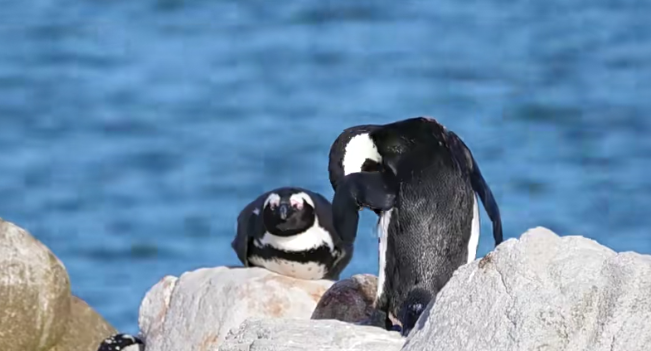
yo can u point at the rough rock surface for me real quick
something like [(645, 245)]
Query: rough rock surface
[(154, 307), (348, 300), (37, 311), (542, 292), (196, 311), (85, 329), (313, 335)]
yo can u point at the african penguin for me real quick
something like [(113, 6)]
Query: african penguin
[(289, 231), (421, 179), (121, 342)]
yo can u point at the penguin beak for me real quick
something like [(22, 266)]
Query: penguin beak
[(283, 210)]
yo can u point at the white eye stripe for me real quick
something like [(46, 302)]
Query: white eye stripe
[(360, 148), (299, 197), (298, 203), (273, 199)]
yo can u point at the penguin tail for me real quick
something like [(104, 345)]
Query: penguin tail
[(467, 162)]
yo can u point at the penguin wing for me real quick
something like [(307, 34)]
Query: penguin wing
[(323, 210), (249, 227), (373, 190), (467, 162)]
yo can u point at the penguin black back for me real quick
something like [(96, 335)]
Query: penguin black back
[(423, 189), (378, 148), (428, 231)]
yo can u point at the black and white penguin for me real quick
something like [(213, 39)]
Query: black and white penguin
[(289, 231), (421, 179), (121, 342)]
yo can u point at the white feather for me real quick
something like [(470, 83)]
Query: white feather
[(310, 239), (298, 197), (273, 198), (308, 270), (383, 232), (359, 148), (474, 233), (136, 347)]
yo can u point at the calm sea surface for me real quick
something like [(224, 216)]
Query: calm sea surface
[(133, 132)]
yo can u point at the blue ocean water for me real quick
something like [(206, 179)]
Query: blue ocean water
[(133, 132)]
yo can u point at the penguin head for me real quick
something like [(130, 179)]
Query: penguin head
[(288, 212), (121, 342), (353, 151)]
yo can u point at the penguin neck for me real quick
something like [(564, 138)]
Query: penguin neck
[(296, 224)]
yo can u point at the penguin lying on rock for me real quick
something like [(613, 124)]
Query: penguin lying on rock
[(121, 342), (289, 231), (421, 179)]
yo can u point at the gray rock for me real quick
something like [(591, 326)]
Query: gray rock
[(348, 300), (196, 311), (542, 292), (312, 335)]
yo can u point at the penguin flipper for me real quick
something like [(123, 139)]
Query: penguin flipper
[(241, 242), (467, 162), (249, 227), (373, 190), (345, 254)]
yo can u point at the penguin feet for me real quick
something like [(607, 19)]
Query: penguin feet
[(412, 308), (371, 322), (366, 321), (121, 342)]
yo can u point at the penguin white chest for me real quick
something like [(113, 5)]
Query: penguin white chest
[(295, 245), (309, 239), (301, 270)]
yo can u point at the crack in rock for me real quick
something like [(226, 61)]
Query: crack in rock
[(511, 305)]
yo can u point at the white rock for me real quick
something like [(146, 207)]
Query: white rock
[(197, 310), (157, 299), (313, 335), (542, 292)]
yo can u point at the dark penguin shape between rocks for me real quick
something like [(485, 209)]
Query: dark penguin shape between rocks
[(121, 342), (421, 179), (289, 231)]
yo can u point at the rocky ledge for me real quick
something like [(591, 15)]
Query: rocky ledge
[(37, 310), (538, 292)]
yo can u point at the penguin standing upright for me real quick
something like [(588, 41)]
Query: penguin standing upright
[(421, 179), (289, 231)]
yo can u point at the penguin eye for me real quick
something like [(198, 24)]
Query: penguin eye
[(371, 166), (297, 205)]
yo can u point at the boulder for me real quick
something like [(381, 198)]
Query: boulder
[(313, 335), (542, 292), (196, 311), (85, 329), (37, 311), (348, 300), (154, 307)]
